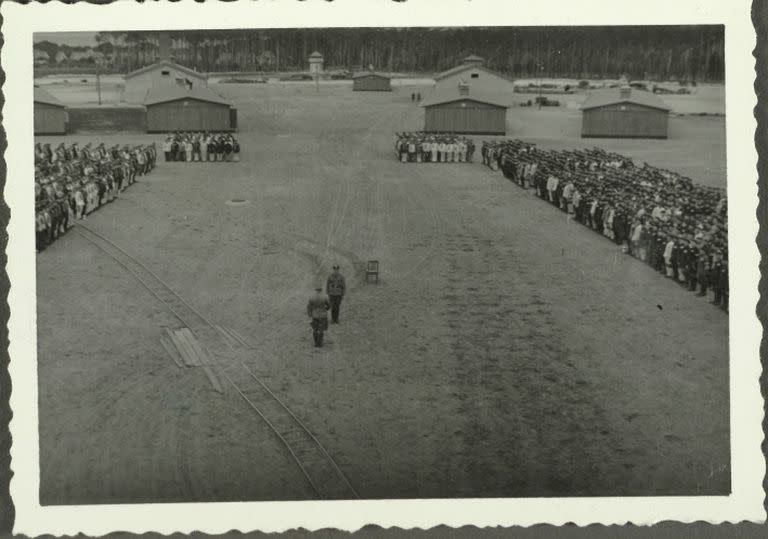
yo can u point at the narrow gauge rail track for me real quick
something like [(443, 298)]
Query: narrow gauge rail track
[(316, 464)]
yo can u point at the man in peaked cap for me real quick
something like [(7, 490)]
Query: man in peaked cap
[(335, 287), (714, 275), (723, 283), (470, 150), (317, 310)]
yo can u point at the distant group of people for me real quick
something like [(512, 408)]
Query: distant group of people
[(423, 147), (201, 146), (678, 227), (71, 182)]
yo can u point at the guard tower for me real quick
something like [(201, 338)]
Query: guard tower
[(315, 63)]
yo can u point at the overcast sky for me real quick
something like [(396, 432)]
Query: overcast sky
[(73, 39)]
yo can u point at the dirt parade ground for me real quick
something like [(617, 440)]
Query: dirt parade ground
[(505, 352)]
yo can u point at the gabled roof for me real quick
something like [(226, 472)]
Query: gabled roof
[(449, 95), (315, 55), (166, 63), (165, 94), (369, 74), (42, 96), (466, 67), (612, 96)]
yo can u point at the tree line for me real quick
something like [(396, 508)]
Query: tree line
[(690, 53)]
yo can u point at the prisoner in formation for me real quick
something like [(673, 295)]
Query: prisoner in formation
[(71, 182), (670, 222), (201, 146), (420, 147)]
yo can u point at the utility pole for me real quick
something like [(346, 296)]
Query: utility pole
[(541, 74), (98, 79)]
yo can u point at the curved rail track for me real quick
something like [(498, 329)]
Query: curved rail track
[(316, 464)]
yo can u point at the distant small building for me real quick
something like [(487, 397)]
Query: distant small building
[(315, 63), (174, 108), (61, 57), (473, 72), (368, 81), (624, 113), (50, 114), (463, 109), (161, 74)]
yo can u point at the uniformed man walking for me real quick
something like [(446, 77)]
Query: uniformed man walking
[(335, 287), (317, 310)]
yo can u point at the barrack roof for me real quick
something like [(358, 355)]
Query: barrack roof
[(466, 67), (165, 94), (448, 95), (370, 74), (42, 96), (166, 63), (613, 96)]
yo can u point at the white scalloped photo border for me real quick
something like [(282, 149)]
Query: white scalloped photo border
[(747, 462)]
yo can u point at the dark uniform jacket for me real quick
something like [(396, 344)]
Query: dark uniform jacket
[(336, 286), (317, 307), (723, 277), (702, 268)]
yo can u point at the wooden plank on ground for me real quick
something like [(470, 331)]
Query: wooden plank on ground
[(212, 379), (204, 358), (171, 337), (184, 350), (188, 342), (194, 343), (171, 350), (185, 337)]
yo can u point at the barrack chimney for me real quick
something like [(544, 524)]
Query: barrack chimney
[(473, 60)]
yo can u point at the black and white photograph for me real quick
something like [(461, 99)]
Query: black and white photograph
[(299, 263)]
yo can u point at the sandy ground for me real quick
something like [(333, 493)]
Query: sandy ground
[(505, 352)]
